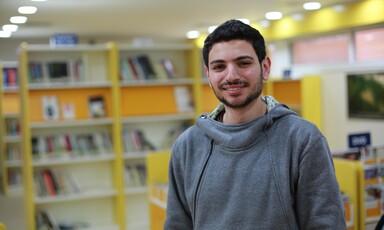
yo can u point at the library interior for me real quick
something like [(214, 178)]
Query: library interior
[(93, 95)]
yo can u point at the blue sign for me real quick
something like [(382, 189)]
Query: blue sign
[(58, 40), (359, 140)]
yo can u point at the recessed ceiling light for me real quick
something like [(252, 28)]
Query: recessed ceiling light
[(193, 34), (5, 34), (27, 9), (10, 27), (274, 15), (312, 6), (18, 19)]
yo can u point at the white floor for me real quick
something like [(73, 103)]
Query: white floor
[(12, 212)]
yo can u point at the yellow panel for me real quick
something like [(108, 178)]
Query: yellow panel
[(287, 92), (311, 100), (157, 172), (148, 100), (157, 167), (350, 175), (79, 98), (209, 99), (10, 102)]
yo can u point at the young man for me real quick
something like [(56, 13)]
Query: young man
[(252, 163)]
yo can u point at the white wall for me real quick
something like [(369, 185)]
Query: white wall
[(336, 123)]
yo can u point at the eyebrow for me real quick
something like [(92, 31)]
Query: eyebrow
[(236, 59)]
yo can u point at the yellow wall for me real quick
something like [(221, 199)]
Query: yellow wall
[(357, 14)]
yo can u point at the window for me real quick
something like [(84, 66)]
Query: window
[(369, 44), (322, 50)]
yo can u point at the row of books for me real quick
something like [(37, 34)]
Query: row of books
[(12, 127), (10, 77), (45, 220), (56, 71), (70, 145), (50, 182), (135, 174), (135, 140), (141, 67), (14, 176), (12, 152)]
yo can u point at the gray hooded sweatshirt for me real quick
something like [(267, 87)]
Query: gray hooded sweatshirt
[(273, 173)]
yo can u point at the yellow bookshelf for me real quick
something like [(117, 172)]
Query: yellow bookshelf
[(10, 132), (350, 175), (158, 181), (157, 108), (87, 178), (302, 95)]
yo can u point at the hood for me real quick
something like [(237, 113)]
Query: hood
[(241, 136)]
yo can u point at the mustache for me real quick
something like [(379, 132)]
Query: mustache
[(235, 82)]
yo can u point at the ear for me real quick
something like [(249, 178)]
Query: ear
[(266, 64), (206, 70)]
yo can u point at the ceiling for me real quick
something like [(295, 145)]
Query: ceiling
[(128, 19)]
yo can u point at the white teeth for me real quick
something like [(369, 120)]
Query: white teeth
[(231, 89)]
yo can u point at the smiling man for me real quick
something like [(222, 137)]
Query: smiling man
[(252, 163)]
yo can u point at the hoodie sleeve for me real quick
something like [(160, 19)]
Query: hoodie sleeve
[(319, 203), (178, 215)]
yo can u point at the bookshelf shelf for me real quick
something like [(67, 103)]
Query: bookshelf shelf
[(158, 118), (13, 163), (68, 85), (74, 160), (136, 190), (92, 194), (71, 123), (157, 82)]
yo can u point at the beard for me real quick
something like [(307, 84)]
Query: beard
[(255, 93)]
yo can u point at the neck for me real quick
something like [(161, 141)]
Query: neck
[(246, 114)]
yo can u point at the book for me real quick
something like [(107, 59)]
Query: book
[(183, 99), (96, 107), (58, 71), (145, 65), (68, 110), (50, 106)]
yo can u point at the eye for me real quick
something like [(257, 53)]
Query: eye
[(218, 67), (244, 64)]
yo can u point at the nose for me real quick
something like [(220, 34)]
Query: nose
[(232, 73)]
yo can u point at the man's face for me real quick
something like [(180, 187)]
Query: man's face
[(235, 74)]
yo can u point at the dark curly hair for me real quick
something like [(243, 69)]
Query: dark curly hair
[(233, 30)]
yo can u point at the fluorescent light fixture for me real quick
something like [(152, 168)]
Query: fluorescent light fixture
[(193, 34), (312, 5), (18, 19), (27, 9), (211, 29), (338, 8), (244, 20), (298, 16), (5, 34), (10, 27), (274, 15)]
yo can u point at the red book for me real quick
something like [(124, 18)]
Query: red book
[(49, 183)]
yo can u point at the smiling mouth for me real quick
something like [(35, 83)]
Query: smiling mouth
[(233, 86)]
